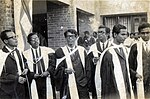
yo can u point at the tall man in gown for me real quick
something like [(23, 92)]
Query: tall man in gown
[(139, 62), (13, 79), (114, 70), (94, 53), (71, 70)]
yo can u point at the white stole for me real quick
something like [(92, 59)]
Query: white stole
[(117, 71), (94, 50), (2, 60), (44, 54), (139, 84), (72, 81), (17, 61)]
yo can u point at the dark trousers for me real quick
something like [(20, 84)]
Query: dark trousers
[(82, 92), (41, 87), (20, 90), (4, 95), (18, 93)]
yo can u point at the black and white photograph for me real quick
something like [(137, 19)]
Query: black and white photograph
[(74, 49)]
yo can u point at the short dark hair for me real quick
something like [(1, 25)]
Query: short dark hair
[(143, 25), (86, 32), (94, 32), (108, 30), (102, 26), (116, 29), (3, 34), (30, 35), (72, 31)]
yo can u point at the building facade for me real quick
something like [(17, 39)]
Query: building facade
[(52, 17)]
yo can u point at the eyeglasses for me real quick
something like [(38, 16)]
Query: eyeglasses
[(34, 39), (101, 32), (145, 33), (70, 36), (13, 37)]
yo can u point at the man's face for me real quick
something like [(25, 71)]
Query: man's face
[(70, 38), (34, 41), (145, 34), (87, 35), (11, 39), (120, 38), (102, 34)]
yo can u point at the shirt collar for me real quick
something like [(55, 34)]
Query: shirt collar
[(71, 48), (34, 48), (10, 50)]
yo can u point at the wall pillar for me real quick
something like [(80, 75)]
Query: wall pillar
[(6, 16)]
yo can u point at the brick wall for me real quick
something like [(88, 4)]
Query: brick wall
[(6, 16), (59, 19)]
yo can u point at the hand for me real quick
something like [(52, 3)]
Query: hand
[(36, 75), (25, 71), (69, 70), (45, 74), (95, 60), (21, 80), (139, 77)]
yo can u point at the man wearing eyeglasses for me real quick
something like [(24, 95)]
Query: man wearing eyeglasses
[(71, 69), (41, 64), (13, 80), (95, 52), (139, 62)]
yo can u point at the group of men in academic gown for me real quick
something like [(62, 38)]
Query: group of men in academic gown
[(18, 69)]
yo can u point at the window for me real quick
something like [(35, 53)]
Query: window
[(130, 21)]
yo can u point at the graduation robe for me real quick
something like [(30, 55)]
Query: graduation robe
[(10, 74), (45, 51), (139, 63), (63, 79), (95, 52), (112, 75)]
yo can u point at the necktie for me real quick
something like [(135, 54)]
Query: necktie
[(146, 47), (103, 46), (38, 63), (121, 52), (73, 54), (71, 49)]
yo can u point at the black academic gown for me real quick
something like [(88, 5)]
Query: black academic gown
[(47, 64), (109, 86), (62, 77), (146, 68), (9, 79), (93, 67)]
